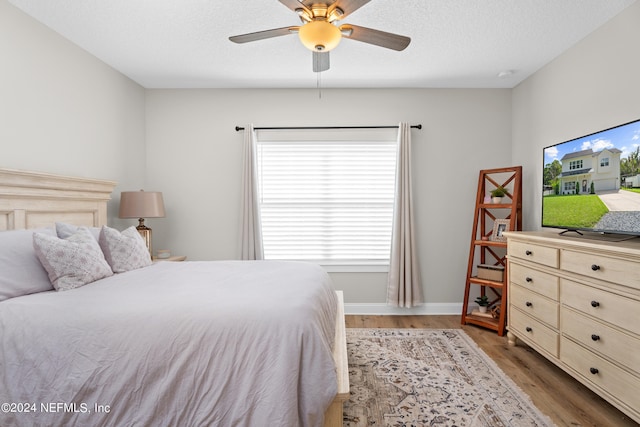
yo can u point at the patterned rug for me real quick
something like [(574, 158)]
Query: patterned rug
[(430, 377)]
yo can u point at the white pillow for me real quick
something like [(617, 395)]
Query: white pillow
[(71, 262), (124, 251), (64, 230), (20, 270)]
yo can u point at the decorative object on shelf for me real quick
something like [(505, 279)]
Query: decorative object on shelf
[(142, 204), (498, 193), (495, 311), (163, 253), (491, 272), (499, 227), (483, 303)]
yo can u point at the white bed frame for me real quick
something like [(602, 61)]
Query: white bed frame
[(33, 200), (333, 416)]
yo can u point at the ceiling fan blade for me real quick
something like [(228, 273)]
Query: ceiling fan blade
[(260, 35), (349, 6), (295, 5), (377, 37), (320, 61)]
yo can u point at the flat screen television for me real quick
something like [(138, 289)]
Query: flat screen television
[(592, 183)]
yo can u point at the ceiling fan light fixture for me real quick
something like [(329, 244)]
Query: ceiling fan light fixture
[(303, 14), (319, 36), (335, 14), (346, 30)]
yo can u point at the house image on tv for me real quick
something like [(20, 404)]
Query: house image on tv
[(580, 169)]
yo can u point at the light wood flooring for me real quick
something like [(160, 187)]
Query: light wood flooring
[(555, 393)]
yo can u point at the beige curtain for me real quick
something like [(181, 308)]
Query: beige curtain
[(403, 287), (250, 228)]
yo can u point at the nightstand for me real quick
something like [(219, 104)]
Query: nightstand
[(175, 258)]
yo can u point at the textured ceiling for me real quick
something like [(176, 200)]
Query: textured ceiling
[(455, 43)]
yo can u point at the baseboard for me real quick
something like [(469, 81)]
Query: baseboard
[(423, 309)]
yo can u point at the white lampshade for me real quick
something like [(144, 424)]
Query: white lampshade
[(319, 36), (141, 204)]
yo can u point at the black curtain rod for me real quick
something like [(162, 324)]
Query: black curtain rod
[(239, 128)]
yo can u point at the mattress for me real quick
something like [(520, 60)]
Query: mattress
[(224, 343)]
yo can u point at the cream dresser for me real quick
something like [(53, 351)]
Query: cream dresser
[(577, 302)]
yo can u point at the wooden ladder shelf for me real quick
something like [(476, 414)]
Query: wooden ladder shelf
[(489, 248)]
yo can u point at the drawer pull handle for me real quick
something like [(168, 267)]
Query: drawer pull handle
[(528, 304), (593, 370), (595, 304), (529, 329), (595, 337), (528, 253), (529, 279), (595, 267)]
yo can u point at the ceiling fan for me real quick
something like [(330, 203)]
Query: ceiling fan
[(320, 33)]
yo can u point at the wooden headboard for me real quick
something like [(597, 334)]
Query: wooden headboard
[(34, 199)]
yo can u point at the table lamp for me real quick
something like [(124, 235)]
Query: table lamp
[(142, 204)]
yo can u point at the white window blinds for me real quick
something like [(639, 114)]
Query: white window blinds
[(327, 196)]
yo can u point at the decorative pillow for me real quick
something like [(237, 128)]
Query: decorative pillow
[(124, 251), (64, 230), (20, 271), (71, 262)]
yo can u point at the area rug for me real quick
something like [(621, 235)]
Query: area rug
[(430, 377)]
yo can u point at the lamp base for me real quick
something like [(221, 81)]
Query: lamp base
[(145, 232)]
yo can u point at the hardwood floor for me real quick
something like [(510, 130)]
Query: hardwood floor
[(563, 399)]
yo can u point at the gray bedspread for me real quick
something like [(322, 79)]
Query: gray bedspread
[(225, 343)]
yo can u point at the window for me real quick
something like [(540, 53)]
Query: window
[(575, 164), (604, 162), (327, 200)]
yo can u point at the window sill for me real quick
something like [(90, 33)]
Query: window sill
[(346, 266), (355, 268)]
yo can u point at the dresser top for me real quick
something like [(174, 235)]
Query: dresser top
[(622, 244)]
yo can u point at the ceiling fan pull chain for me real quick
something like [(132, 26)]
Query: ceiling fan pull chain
[(318, 84)]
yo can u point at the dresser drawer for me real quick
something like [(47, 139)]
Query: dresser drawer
[(543, 255), (543, 283), (612, 308), (614, 270), (534, 305), (527, 328), (604, 374), (609, 342)]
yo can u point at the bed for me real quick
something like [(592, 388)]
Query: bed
[(190, 344)]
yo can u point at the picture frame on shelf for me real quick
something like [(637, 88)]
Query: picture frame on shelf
[(499, 227)]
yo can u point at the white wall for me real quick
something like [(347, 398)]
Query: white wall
[(593, 86), (194, 157), (64, 111)]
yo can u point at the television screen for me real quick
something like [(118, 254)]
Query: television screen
[(593, 182)]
